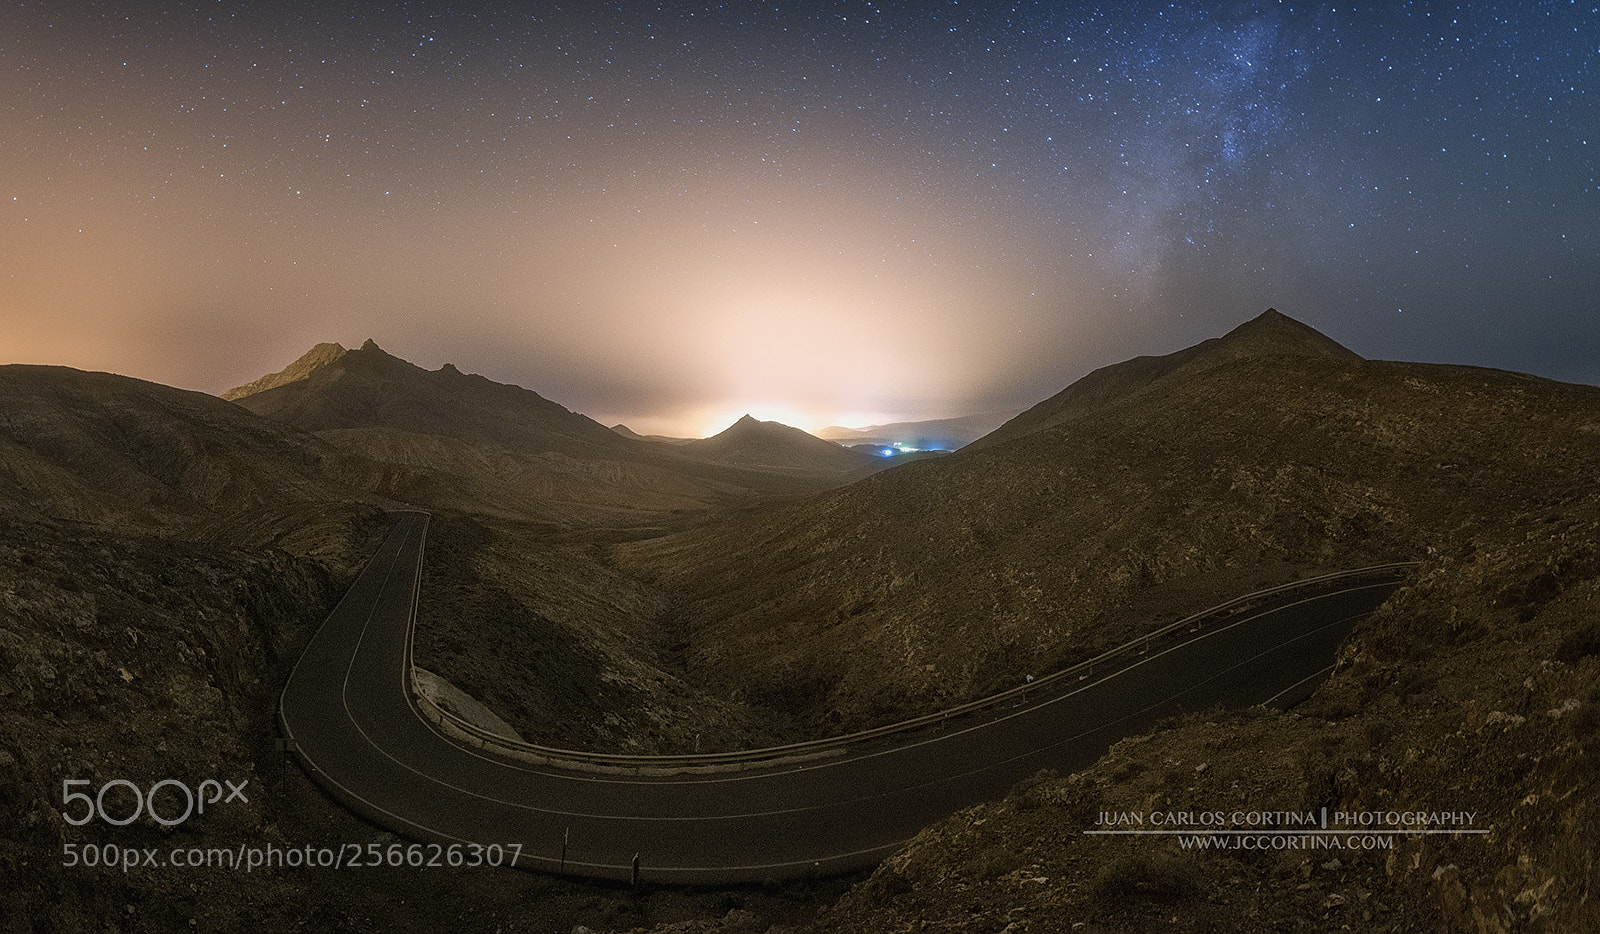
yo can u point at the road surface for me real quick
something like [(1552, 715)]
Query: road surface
[(354, 723)]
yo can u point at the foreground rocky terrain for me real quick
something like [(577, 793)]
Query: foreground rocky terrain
[(1474, 690)]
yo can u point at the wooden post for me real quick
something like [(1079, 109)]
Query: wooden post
[(636, 870)]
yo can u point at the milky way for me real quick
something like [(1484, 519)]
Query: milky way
[(829, 212)]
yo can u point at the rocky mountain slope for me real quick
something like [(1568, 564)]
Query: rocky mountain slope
[(318, 357), (164, 556), (936, 582), (521, 616), (1271, 333), (460, 442), (1474, 690), (138, 658), (332, 388), (124, 453)]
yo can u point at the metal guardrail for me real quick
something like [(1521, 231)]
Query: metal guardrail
[(461, 730)]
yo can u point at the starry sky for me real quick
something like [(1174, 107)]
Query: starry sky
[(822, 212)]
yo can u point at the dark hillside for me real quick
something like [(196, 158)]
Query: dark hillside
[(1269, 334), (941, 581), (368, 388), (1473, 691), (96, 447)]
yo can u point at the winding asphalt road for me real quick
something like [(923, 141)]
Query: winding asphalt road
[(353, 722)]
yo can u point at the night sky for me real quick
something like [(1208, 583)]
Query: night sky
[(820, 212)]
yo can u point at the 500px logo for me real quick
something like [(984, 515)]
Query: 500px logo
[(169, 791)]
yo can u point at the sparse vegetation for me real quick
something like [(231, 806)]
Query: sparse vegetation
[(1159, 877)]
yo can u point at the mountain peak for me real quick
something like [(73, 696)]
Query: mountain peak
[(1273, 332), (751, 442), (368, 388), (748, 426), (749, 429), (369, 357), (309, 362)]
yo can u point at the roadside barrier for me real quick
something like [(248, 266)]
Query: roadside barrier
[(463, 732)]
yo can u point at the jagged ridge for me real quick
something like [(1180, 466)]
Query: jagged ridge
[(331, 388), (312, 360)]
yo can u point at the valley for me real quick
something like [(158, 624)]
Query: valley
[(165, 555)]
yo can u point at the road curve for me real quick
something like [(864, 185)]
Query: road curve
[(353, 722)]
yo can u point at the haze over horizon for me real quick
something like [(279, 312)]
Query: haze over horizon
[(819, 213)]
